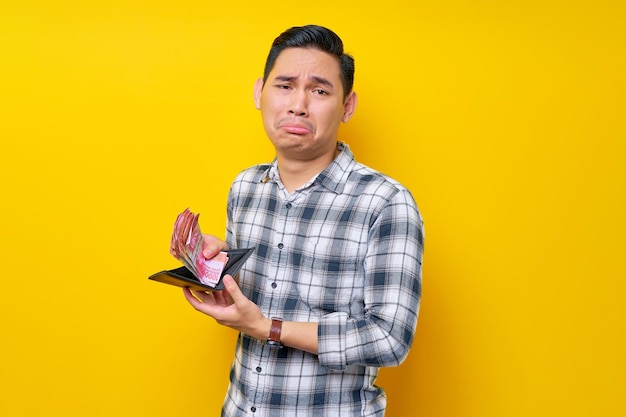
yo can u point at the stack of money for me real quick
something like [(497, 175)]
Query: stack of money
[(186, 246)]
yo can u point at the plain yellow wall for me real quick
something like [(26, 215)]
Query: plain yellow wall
[(505, 119)]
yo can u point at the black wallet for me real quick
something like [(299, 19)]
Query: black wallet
[(183, 277)]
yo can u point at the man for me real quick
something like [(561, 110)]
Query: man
[(332, 292)]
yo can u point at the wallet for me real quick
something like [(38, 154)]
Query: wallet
[(183, 277)]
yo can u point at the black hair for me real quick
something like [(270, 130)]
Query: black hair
[(318, 37)]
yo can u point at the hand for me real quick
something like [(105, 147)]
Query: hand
[(212, 245), (231, 308)]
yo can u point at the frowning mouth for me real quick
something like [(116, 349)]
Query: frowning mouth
[(296, 128)]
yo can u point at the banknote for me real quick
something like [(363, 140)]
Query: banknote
[(186, 246)]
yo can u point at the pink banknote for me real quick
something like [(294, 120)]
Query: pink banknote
[(186, 246)]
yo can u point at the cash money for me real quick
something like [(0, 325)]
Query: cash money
[(186, 246)]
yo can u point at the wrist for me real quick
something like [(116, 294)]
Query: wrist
[(264, 329), (275, 333)]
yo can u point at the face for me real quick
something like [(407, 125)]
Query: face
[(302, 104)]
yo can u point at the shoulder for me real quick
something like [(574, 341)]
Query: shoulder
[(246, 181), (380, 195), (366, 180), (252, 174)]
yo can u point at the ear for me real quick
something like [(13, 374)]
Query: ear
[(349, 107), (258, 89)]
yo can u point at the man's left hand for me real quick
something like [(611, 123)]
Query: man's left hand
[(231, 308)]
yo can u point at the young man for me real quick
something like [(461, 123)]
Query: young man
[(332, 292)]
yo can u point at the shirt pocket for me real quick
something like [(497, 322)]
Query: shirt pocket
[(331, 278)]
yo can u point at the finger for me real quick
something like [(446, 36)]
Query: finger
[(212, 245), (233, 290), (204, 297), (201, 301), (191, 298), (221, 298)]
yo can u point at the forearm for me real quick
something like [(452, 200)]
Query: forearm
[(297, 335), (300, 335), (366, 341)]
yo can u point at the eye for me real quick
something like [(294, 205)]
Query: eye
[(320, 91)]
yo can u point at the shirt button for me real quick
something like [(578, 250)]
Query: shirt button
[(280, 246), (258, 369), (288, 205), (253, 409), (274, 285)]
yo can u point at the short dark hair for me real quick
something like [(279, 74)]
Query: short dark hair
[(318, 37)]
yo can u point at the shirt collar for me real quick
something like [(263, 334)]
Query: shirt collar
[(333, 177)]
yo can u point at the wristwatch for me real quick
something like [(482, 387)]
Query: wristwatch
[(275, 329)]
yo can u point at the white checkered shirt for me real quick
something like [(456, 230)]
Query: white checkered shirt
[(345, 250)]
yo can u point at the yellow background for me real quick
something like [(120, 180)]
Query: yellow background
[(505, 119)]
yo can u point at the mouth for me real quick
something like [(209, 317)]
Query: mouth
[(296, 128)]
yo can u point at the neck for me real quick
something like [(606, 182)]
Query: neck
[(294, 173)]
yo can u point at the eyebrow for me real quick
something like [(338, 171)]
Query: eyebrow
[(291, 78)]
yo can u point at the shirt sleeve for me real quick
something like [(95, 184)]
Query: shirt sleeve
[(383, 335)]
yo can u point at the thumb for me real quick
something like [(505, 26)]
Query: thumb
[(209, 251), (233, 289)]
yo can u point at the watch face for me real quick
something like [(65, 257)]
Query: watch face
[(274, 343)]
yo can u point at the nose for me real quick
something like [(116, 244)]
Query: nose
[(298, 105)]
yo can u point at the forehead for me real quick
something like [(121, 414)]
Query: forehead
[(311, 61)]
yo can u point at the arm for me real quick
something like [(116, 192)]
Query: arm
[(383, 335), (231, 308)]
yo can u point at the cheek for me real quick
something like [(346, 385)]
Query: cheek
[(267, 121), (331, 119), (271, 108)]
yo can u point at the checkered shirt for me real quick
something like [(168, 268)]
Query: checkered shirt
[(345, 251)]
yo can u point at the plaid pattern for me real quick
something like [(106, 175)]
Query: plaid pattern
[(345, 250)]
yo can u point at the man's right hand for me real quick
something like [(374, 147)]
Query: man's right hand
[(212, 245)]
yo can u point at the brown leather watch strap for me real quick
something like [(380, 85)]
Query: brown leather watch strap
[(275, 330)]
